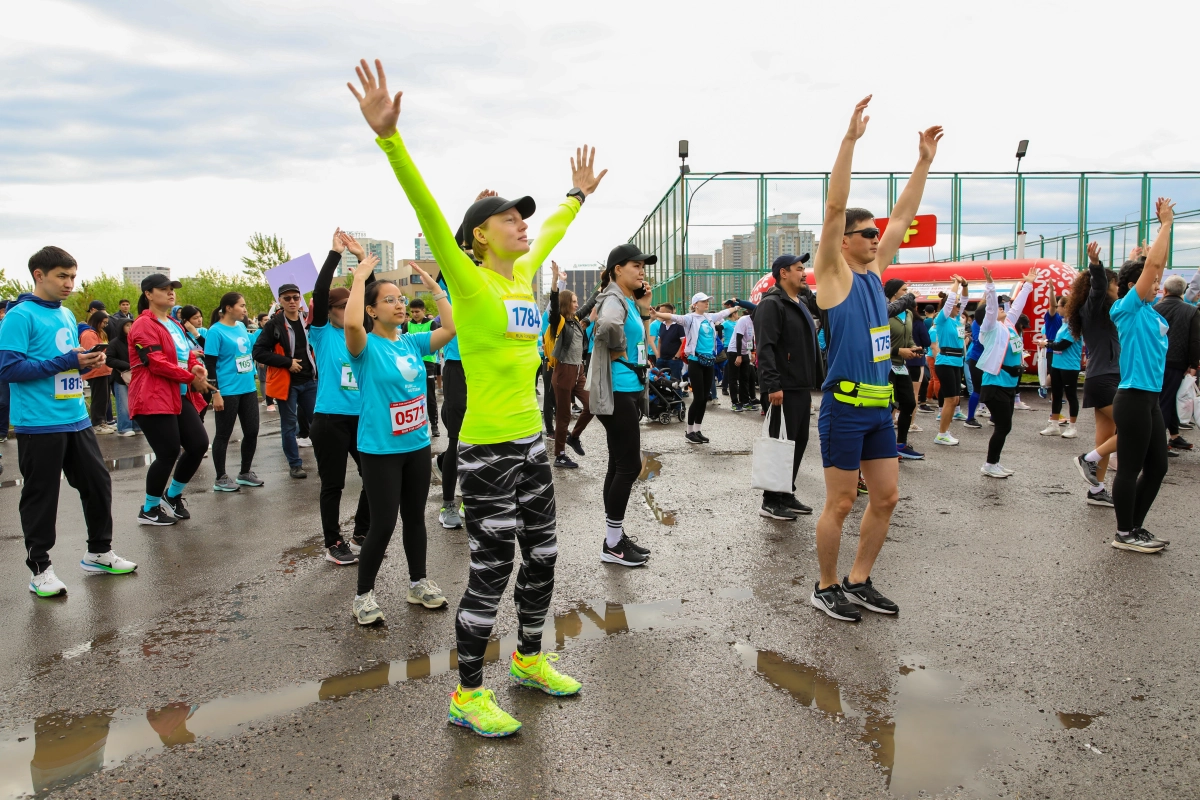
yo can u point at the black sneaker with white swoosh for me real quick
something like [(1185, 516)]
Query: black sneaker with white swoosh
[(832, 600), (865, 595), (623, 553)]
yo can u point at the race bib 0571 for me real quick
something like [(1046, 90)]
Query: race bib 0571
[(408, 416)]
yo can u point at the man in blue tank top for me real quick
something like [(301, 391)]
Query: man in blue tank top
[(855, 423)]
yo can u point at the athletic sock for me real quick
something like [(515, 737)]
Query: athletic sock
[(691, 428), (1095, 489), (526, 661), (613, 530), (151, 503), (1092, 457), (973, 404), (176, 489), (413, 584)]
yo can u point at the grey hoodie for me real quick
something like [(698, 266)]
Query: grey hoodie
[(611, 311)]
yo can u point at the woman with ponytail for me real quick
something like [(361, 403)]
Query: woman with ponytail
[(231, 374)]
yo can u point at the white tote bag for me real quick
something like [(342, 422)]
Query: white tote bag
[(1185, 399), (1043, 369), (771, 465)]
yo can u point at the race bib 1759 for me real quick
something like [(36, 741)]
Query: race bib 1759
[(881, 343)]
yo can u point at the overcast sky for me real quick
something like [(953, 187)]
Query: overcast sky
[(138, 132)]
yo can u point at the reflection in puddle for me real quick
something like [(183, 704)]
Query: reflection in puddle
[(929, 740), (665, 517), (65, 749), (651, 466), (651, 469), (113, 464), (1077, 721)]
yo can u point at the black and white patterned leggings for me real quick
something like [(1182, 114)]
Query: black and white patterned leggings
[(508, 499)]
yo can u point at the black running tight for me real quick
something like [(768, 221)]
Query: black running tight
[(245, 408), (701, 377), (902, 392), (1000, 401), (1064, 382), (1141, 453), (508, 499), (167, 434), (624, 452), (396, 485)]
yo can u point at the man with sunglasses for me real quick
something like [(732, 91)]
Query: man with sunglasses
[(855, 423), (283, 348)]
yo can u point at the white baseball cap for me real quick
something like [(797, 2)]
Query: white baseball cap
[(699, 297)]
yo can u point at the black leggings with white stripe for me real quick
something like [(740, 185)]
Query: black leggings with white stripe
[(508, 500)]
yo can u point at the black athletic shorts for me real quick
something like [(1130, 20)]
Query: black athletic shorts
[(432, 369), (951, 379), (1099, 391)]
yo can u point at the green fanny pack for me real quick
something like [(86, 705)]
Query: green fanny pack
[(862, 394)]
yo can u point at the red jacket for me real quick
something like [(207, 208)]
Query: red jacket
[(154, 386)]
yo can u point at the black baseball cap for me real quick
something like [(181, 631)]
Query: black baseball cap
[(156, 280), (480, 210), (628, 252), (289, 287)]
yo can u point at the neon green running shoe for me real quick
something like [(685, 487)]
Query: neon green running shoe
[(540, 675), (480, 713)]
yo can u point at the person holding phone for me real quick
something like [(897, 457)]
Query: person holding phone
[(230, 365), (616, 385), (41, 360)]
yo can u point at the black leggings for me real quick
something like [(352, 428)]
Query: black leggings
[(902, 390), (1000, 401), (100, 393), (1142, 454), (454, 409), (396, 485), (701, 377), (245, 408), (1064, 381), (167, 434), (334, 437), (624, 452)]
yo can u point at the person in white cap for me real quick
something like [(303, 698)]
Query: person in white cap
[(701, 338)]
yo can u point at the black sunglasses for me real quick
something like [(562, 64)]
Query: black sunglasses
[(866, 233), (291, 298)]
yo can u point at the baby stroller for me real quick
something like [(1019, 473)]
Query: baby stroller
[(665, 397)]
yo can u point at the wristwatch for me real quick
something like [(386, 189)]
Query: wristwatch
[(578, 194)]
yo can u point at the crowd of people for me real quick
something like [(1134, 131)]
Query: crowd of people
[(355, 379)]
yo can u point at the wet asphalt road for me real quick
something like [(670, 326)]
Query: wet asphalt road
[(1030, 658)]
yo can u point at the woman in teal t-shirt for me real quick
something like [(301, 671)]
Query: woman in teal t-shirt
[(393, 434), (227, 357), (1141, 431)]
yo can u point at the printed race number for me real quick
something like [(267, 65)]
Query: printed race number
[(523, 319), (68, 385), (349, 382), (881, 343), (244, 364), (408, 416)]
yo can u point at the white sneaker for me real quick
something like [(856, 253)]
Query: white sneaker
[(108, 562), (946, 439), (915, 428), (993, 471), (47, 584), (302, 442), (1006, 470), (1022, 406), (1069, 432), (366, 610), (102, 430), (127, 433), (1051, 429), (982, 411)]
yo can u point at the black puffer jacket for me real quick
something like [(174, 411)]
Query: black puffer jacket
[(786, 338)]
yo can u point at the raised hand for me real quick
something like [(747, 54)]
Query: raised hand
[(1032, 276), (483, 194), (426, 279), (379, 109), (987, 275), (928, 142), (366, 266), (351, 244), (339, 246), (858, 122), (557, 274), (582, 174), (1165, 210), (1093, 251)]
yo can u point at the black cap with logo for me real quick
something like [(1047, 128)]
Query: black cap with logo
[(156, 280), (628, 252), (480, 210)]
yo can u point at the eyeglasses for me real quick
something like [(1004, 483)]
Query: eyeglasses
[(291, 298), (866, 233), (391, 300)]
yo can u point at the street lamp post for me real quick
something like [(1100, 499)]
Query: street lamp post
[(1022, 148)]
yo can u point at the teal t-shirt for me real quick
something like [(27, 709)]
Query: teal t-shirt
[(230, 344), (391, 383), (1143, 335), (706, 338), (1012, 358), (337, 388), (1071, 357), (727, 326), (949, 334), (182, 347), (450, 351), (625, 379), (53, 403)]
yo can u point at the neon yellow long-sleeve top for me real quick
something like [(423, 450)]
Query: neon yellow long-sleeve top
[(498, 320)]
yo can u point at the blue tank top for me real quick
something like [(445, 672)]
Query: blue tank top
[(859, 337)]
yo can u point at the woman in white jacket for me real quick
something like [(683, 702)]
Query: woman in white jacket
[(1002, 365), (700, 333)]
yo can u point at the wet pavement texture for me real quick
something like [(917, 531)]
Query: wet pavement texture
[(1030, 658)]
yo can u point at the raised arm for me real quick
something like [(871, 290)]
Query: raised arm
[(320, 292), (909, 201), (829, 267), (356, 307), (1017, 306), (440, 336), (584, 178), (991, 303), (1156, 260), (382, 112)]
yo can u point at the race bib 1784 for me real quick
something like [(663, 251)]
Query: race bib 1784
[(523, 320)]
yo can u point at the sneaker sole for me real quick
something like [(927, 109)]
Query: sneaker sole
[(992, 475), (762, 512), (1137, 548), (1069, 435), (1085, 474), (1100, 503), (529, 683), (611, 559), (40, 593), (249, 483), (945, 444), (333, 560), (167, 522), (566, 466), (859, 602), (817, 604), (907, 457), (1051, 433), (800, 512), (371, 621), (417, 602), (450, 527), (226, 489), (92, 567), (693, 441), (462, 723)]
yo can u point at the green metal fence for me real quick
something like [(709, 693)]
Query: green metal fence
[(718, 232)]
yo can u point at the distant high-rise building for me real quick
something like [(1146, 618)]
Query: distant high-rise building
[(136, 275), (382, 249), (583, 279), (421, 251)]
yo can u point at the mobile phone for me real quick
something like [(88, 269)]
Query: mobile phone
[(639, 292), (100, 348)]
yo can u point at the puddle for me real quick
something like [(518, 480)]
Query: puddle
[(651, 466), (113, 464), (60, 749), (1076, 721), (921, 734), (290, 557), (651, 469), (665, 517)]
